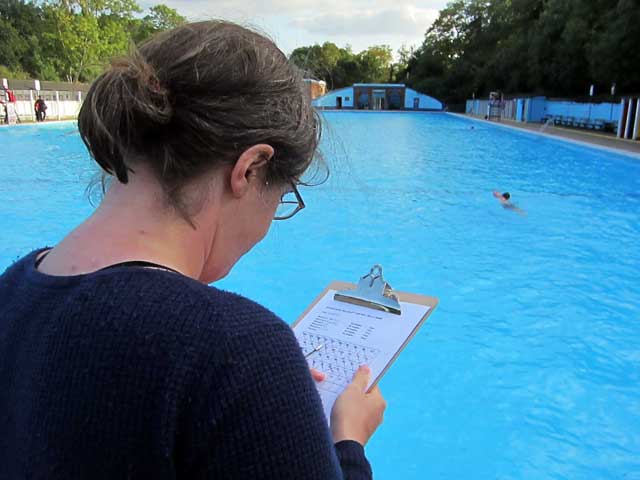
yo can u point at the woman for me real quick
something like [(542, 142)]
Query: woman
[(116, 358)]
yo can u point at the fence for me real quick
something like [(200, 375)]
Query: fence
[(480, 107), (566, 112), (63, 100), (60, 105)]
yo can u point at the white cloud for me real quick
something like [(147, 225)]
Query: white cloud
[(404, 20), (203, 9), (294, 23), (195, 9)]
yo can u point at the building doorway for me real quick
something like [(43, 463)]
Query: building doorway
[(338, 102), (416, 103), (379, 99)]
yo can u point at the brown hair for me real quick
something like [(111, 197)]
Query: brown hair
[(194, 98)]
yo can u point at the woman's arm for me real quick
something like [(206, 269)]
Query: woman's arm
[(264, 417)]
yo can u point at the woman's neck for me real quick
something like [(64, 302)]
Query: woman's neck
[(133, 222)]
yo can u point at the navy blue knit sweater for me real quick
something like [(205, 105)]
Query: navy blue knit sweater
[(141, 373)]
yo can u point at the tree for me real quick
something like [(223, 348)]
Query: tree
[(399, 69), (613, 53), (319, 61), (163, 18), (21, 39), (552, 47), (86, 33), (73, 39), (340, 67), (159, 18), (375, 63)]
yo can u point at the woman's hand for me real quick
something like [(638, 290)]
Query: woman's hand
[(357, 414), (317, 375)]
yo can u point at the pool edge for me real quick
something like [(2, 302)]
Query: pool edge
[(627, 153)]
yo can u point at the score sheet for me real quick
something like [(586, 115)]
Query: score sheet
[(350, 336)]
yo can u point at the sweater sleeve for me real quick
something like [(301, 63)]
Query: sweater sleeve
[(264, 416), (353, 463)]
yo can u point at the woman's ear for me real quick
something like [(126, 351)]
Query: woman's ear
[(248, 166)]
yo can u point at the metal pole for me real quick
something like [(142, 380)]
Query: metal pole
[(621, 118), (33, 111), (627, 128), (635, 135)]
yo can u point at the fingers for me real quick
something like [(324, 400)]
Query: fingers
[(361, 378), (317, 375), (377, 397)]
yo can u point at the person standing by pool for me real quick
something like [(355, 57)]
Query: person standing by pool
[(505, 201), (117, 360), (41, 109), (11, 115)]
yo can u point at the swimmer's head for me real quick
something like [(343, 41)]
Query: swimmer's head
[(506, 195)]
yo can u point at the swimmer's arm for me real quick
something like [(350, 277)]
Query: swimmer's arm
[(514, 208)]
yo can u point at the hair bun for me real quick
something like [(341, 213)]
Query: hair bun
[(125, 102), (194, 98), (144, 98)]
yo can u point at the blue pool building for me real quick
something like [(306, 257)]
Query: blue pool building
[(377, 96), (621, 117)]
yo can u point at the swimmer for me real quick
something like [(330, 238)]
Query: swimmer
[(505, 201)]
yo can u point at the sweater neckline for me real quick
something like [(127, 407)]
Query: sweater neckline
[(36, 276)]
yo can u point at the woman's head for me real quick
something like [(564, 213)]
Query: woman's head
[(191, 100), (205, 98)]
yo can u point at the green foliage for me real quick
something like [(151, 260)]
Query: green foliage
[(552, 47), (6, 72), (20, 37), (160, 18), (341, 67), (73, 39), (375, 63)]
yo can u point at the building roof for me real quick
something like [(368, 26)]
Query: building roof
[(382, 85), (46, 86)]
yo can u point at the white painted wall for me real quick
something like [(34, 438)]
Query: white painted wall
[(329, 100), (55, 110), (426, 102)]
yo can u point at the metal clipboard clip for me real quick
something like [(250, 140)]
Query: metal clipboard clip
[(372, 292)]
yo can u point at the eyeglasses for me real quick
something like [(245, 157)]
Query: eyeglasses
[(290, 204)]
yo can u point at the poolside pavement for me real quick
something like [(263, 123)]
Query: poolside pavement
[(600, 139)]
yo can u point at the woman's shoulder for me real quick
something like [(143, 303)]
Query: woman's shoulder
[(187, 300), (146, 303), (167, 297)]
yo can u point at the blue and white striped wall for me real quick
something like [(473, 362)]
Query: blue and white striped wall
[(330, 100)]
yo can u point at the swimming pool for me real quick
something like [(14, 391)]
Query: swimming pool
[(529, 368)]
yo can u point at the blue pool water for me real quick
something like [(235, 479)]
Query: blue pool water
[(530, 367)]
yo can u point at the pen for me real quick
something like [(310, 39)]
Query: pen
[(317, 349)]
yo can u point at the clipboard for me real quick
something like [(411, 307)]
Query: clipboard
[(372, 292)]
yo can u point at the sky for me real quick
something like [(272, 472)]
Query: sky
[(296, 23)]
